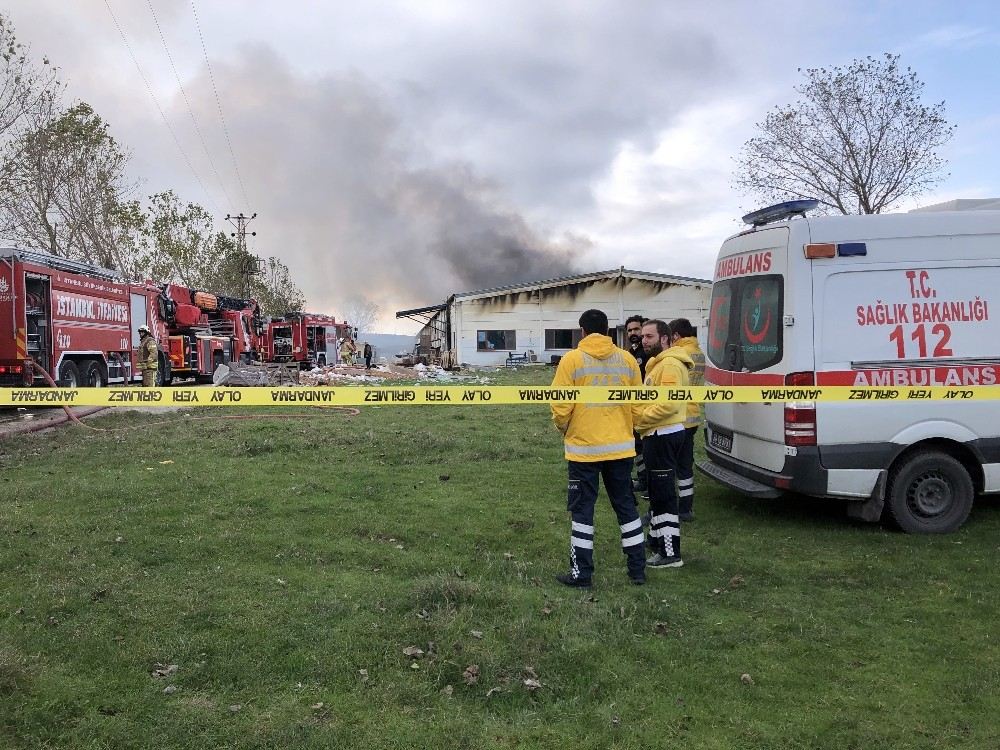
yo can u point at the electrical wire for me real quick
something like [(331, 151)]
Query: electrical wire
[(218, 101), (194, 120), (159, 109)]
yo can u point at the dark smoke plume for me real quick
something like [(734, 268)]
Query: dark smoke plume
[(342, 202)]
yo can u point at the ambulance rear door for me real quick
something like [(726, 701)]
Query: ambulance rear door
[(746, 344)]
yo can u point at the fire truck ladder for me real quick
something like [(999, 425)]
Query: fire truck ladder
[(61, 264), (222, 328)]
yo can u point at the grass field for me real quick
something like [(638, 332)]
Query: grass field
[(385, 580)]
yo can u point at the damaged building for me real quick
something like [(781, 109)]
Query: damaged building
[(540, 318)]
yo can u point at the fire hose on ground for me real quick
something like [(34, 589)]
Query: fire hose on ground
[(71, 416)]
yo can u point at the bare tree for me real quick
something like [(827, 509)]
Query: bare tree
[(29, 96), (24, 84), (362, 314), (860, 140), (65, 189)]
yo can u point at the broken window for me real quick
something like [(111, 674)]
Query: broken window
[(487, 341), (562, 338)]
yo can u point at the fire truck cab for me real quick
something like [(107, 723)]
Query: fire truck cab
[(76, 321), (310, 339)]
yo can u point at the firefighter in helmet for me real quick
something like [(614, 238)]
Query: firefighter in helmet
[(148, 356)]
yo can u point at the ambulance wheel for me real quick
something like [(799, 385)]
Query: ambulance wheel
[(69, 374), (93, 374), (929, 492)]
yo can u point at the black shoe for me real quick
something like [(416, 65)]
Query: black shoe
[(659, 560), (638, 580), (689, 516), (568, 579)]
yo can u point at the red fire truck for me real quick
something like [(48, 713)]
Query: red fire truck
[(200, 331), (77, 321), (307, 338)]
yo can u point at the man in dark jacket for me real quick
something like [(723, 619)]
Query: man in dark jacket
[(633, 331), (368, 356)]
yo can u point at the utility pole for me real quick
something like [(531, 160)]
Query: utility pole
[(250, 264)]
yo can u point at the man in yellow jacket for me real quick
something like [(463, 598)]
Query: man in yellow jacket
[(661, 425), (598, 444), (683, 336)]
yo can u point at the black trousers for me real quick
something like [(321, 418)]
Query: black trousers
[(368, 363), (580, 502), (685, 472), (640, 464), (663, 454)]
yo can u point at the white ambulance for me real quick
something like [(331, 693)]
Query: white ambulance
[(908, 300)]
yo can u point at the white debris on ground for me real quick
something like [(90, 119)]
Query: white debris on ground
[(385, 372), (344, 375), (331, 375)]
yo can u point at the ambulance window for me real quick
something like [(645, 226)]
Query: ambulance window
[(718, 322), (745, 323), (760, 322)]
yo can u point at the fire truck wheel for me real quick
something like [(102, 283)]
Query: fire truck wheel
[(93, 374), (69, 375), (929, 492), (163, 374)]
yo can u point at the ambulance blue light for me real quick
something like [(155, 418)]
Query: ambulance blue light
[(780, 211), (852, 248)]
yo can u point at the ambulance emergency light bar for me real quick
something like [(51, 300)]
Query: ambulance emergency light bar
[(780, 211), (830, 249)]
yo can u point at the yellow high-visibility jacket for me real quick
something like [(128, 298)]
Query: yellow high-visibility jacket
[(668, 368), (690, 345), (596, 432)]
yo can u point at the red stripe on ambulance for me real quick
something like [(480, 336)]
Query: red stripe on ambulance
[(958, 375)]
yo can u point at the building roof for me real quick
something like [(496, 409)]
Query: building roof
[(963, 204), (581, 278), (420, 310), (431, 310)]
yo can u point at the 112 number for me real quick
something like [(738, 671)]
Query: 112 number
[(919, 335)]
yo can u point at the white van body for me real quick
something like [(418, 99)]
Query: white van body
[(906, 300)]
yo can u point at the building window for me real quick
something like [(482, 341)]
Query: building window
[(562, 338), (487, 341)]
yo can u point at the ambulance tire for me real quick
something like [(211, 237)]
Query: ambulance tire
[(69, 374), (93, 374), (929, 492)]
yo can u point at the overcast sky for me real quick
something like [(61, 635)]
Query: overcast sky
[(406, 151)]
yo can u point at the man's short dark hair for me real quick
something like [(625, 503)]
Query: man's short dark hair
[(662, 329), (594, 321), (682, 327), (634, 319)]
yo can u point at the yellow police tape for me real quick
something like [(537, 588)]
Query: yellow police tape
[(458, 395)]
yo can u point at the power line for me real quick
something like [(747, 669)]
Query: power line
[(218, 101), (187, 101), (159, 109)]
